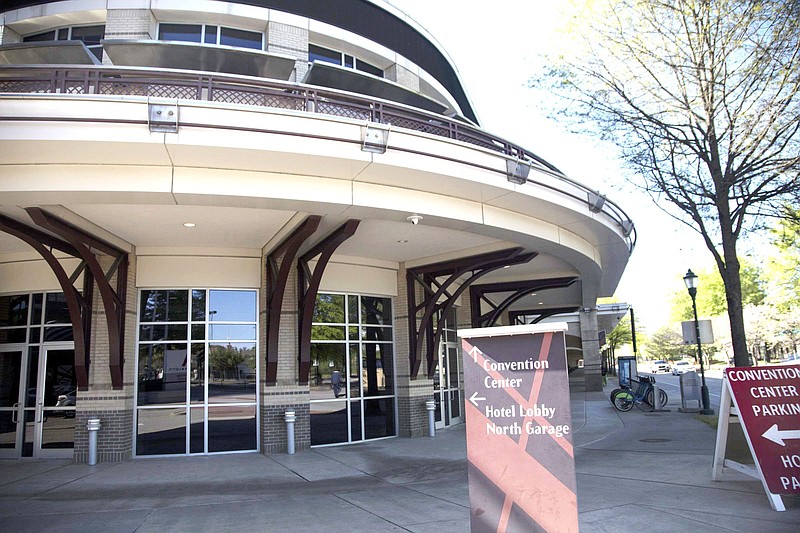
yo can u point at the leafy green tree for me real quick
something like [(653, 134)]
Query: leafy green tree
[(665, 344), (703, 99), (711, 300)]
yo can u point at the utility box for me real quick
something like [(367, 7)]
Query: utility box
[(626, 370), (691, 391)]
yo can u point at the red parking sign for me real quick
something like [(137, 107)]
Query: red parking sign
[(768, 401)]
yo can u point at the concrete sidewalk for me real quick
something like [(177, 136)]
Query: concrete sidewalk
[(636, 470)]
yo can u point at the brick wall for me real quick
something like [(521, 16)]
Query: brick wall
[(273, 424), (291, 41)]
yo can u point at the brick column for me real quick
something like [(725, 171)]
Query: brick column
[(287, 394), (590, 343), (114, 408), (290, 40), (411, 394), (129, 24)]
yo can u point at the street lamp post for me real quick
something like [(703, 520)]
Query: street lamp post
[(690, 279)]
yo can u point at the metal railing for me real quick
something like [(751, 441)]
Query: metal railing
[(244, 90)]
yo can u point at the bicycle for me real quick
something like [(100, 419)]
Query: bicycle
[(625, 398)]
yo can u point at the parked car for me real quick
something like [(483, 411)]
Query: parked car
[(660, 366), (681, 367)]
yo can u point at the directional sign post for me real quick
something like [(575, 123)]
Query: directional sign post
[(767, 401), (519, 438)]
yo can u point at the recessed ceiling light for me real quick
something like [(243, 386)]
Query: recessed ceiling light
[(189, 224), (402, 241)]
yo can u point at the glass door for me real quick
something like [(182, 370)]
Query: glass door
[(11, 401), (54, 413), (446, 386)]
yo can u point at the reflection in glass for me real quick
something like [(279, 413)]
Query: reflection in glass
[(376, 333), (329, 309), (61, 383), (328, 422), (197, 371), (240, 38), (354, 378), (376, 310), (33, 378), (36, 309), (231, 427), (164, 306), (232, 306), (10, 369), (198, 305), (379, 418), (55, 309), (198, 332), (352, 308), (14, 310), (377, 370), (455, 403), (355, 422), (223, 332), (232, 372), (58, 334), (196, 430), (179, 32), (58, 428), (12, 335), (327, 371), (167, 332), (327, 333), (8, 430), (161, 431), (162, 374)]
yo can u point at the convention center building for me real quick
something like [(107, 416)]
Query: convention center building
[(215, 213)]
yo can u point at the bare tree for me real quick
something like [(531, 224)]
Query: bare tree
[(702, 98)]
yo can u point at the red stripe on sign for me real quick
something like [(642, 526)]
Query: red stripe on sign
[(550, 503)]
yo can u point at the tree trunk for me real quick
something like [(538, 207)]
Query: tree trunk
[(733, 295)]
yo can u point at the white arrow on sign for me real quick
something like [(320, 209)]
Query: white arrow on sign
[(777, 436), (475, 352), (474, 398)]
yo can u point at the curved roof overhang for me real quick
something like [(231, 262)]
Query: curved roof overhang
[(370, 20)]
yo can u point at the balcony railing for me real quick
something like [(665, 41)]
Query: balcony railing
[(201, 86)]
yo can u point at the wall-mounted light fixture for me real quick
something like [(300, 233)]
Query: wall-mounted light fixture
[(596, 202), (414, 219), (375, 138), (517, 171)]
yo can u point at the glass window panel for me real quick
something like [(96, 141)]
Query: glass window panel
[(327, 370), (33, 371), (352, 309), (379, 418), (376, 310), (376, 333), (348, 61), (58, 333), (8, 430), (222, 332), (162, 374), (61, 384), (179, 32), (231, 428), (319, 53), (63, 34), (12, 335), (198, 332), (36, 310), (455, 403), (161, 431), (363, 66), (35, 335), (232, 375), (327, 333), (170, 332), (211, 35), (199, 306), (352, 333), (13, 310), (355, 376), (377, 369), (164, 306), (58, 429), (240, 38), (10, 369), (197, 371), (355, 422), (452, 366), (329, 309), (328, 422), (232, 306), (37, 37), (90, 35), (197, 430)]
